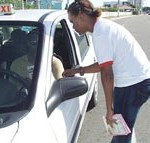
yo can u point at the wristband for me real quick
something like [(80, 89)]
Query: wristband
[(81, 71)]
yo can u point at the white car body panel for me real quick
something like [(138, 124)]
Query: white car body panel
[(64, 123)]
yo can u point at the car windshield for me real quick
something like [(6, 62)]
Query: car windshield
[(18, 48)]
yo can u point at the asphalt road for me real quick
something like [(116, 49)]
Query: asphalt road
[(93, 130)]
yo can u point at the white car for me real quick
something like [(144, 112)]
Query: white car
[(34, 106)]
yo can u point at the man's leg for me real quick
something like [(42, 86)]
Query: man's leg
[(123, 104), (127, 101)]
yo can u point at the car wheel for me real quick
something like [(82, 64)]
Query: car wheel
[(94, 98)]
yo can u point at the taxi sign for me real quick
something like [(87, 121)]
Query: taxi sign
[(6, 9)]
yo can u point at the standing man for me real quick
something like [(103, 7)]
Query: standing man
[(123, 65)]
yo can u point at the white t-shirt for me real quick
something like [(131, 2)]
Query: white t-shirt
[(114, 44)]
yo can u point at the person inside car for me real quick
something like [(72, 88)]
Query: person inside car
[(24, 65), (57, 67)]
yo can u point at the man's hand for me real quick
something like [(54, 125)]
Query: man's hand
[(69, 72), (109, 118)]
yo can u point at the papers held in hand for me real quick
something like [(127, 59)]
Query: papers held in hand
[(119, 128)]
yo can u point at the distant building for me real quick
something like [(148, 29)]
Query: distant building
[(123, 5), (49, 4), (110, 4), (115, 3), (58, 4), (137, 3)]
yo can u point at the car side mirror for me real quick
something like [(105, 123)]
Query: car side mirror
[(64, 89)]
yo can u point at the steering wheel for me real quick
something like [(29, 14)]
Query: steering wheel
[(24, 89)]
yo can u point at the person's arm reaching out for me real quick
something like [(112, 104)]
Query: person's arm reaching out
[(82, 70)]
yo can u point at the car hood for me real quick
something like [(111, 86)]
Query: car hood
[(7, 134), (34, 126)]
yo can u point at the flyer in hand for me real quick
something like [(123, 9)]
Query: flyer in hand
[(119, 128)]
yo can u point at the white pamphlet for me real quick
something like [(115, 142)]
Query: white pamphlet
[(119, 128)]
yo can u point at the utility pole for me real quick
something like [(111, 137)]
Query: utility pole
[(118, 5), (140, 5), (38, 4), (67, 5), (135, 3), (22, 4)]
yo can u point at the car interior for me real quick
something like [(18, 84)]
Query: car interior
[(14, 47), (14, 50), (63, 45), (60, 47)]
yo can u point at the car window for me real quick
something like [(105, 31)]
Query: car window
[(83, 44), (64, 55), (18, 48), (63, 45)]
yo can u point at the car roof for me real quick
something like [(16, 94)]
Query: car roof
[(30, 15)]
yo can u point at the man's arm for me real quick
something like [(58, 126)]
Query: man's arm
[(82, 70), (107, 79)]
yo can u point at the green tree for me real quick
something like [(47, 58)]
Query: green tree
[(19, 4), (9, 1), (146, 9)]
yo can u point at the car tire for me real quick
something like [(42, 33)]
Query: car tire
[(94, 98)]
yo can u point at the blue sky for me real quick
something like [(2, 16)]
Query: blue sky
[(147, 3), (97, 2)]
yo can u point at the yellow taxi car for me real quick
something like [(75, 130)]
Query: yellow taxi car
[(38, 105)]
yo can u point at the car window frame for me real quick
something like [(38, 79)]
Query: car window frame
[(84, 49), (31, 95), (74, 60)]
